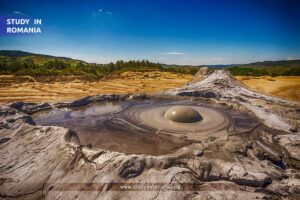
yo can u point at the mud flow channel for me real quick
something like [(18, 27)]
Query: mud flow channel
[(141, 127)]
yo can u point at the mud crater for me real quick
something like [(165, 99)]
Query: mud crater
[(144, 126)]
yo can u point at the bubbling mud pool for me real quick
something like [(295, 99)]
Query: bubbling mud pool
[(153, 127)]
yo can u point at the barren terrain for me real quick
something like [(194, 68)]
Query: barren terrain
[(27, 89), (287, 87), (254, 154)]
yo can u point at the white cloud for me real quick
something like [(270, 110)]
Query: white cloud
[(290, 58), (100, 11), (172, 53), (18, 12)]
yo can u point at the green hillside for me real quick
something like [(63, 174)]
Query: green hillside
[(268, 64), (24, 63), (268, 68), (13, 56)]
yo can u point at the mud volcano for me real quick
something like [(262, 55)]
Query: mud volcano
[(213, 138), (153, 127)]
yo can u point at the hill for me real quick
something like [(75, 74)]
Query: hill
[(24, 63), (267, 68), (12, 56), (37, 65), (280, 63)]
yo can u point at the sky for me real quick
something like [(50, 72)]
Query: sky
[(192, 32)]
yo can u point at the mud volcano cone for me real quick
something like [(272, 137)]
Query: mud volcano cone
[(183, 114)]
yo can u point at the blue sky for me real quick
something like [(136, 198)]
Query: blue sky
[(174, 32)]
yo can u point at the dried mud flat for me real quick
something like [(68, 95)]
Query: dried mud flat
[(287, 87), (28, 89), (256, 155)]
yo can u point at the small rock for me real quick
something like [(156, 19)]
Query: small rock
[(212, 138), (71, 136), (131, 168), (293, 129), (237, 146), (198, 152), (2, 140)]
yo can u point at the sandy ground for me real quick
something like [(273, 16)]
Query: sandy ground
[(287, 87), (28, 90)]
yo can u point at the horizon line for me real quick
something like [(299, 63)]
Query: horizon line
[(287, 59)]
